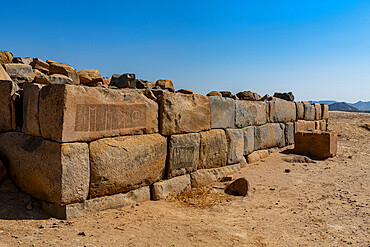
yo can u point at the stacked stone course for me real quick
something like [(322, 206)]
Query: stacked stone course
[(81, 148)]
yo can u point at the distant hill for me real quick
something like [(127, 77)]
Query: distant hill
[(362, 105), (327, 102), (342, 106)]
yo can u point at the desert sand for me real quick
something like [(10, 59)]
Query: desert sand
[(289, 204)]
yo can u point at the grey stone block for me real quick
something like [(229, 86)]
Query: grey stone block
[(281, 111), (248, 139), (173, 186), (250, 113), (222, 112), (31, 92), (289, 133), (318, 114), (300, 110), (309, 112), (269, 135), (213, 149), (235, 145)]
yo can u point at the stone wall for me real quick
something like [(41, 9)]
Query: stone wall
[(83, 148)]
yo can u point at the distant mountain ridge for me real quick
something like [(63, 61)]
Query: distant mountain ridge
[(360, 105), (342, 106)]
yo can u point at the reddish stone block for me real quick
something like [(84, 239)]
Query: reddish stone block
[(318, 144)]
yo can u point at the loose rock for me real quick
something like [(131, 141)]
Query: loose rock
[(214, 93), (239, 187), (165, 84), (285, 96), (20, 73), (5, 57), (90, 77), (248, 95)]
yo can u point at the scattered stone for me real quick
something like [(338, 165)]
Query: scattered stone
[(235, 142), (318, 144), (265, 97), (5, 57), (26, 60), (106, 80), (250, 113), (165, 84), (285, 96), (214, 93), (170, 187), (64, 69), (123, 81), (248, 95), (287, 170), (81, 234), (40, 65), (257, 156), (226, 94), (184, 91), (20, 73), (222, 112), (40, 77), (3, 172), (58, 79), (239, 187), (213, 149), (90, 77), (227, 178)]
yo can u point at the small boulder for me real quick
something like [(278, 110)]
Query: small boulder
[(42, 66), (226, 94), (40, 77), (248, 95), (185, 91), (285, 96), (64, 69), (106, 80), (23, 60), (59, 79), (239, 187), (123, 81), (265, 97), (214, 93), (5, 57), (20, 73), (90, 77), (3, 172), (165, 84)]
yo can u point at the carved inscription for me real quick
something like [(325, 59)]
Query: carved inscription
[(105, 117), (183, 157)]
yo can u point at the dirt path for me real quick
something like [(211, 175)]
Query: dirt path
[(322, 204)]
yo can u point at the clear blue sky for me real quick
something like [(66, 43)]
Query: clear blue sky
[(317, 49)]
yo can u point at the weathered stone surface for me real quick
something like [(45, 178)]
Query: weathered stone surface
[(243, 162), (239, 187), (250, 113), (5, 57), (214, 93), (325, 111), (7, 104), (23, 60), (206, 176), (58, 79), (300, 110), (248, 139), (90, 206), (181, 113), (20, 73), (124, 163), (323, 125), (90, 77), (285, 96), (235, 145), (318, 115), (3, 172), (165, 84), (183, 154), (185, 91), (318, 144), (226, 94), (248, 95), (69, 113), (257, 156), (64, 69), (281, 111), (269, 135), (40, 77), (106, 80), (309, 112), (3, 75), (289, 133), (40, 65), (31, 125), (265, 97), (54, 172), (213, 149), (302, 125), (170, 187), (222, 112)]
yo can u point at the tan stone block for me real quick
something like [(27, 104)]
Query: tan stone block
[(20, 73), (300, 110), (269, 135), (318, 114), (309, 112), (31, 125), (68, 113), (325, 111), (90, 77), (213, 149), (173, 186), (124, 163), (235, 145), (257, 156), (323, 125), (318, 144), (183, 113), (55, 172), (64, 69), (250, 113), (165, 84), (5, 57), (281, 111)]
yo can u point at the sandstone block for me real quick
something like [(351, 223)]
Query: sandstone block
[(325, 111), (170, 187), (281, 111), (222, 112), (285, 96), (289, 133), (213, 149), (248, 95), (206, 176), (68, 113), (318, 144), (269, 135), (55, 172), (183, 154), (214, 93), (20, 73), (40, 65), (250, 113), (5, 57), (323, 125), (124, 163), (300, 110), (7, 104), (235, 145), (318, 115), (64, 69), (70, 211), (257, 156), (182, 113), (248, 139), (165, 84), (302, 125), (31, 125), (309, 112), (90, 77)]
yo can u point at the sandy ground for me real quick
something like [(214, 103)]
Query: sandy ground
[(321, 204)]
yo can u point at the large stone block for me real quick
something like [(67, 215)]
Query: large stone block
[(64, 69), (70, 211), (309, 112), (206, 176), (269, 135), (20, 73), (7, 103), (213, 149), (289, 133), (68, 113), (5, 57), (222, 112), (248, 139), (170, 187), (281, 111), (318, 114), (325, 111), (183, 113), (124, 163), (318, 144), (55, 172), (31, 125), (250, 113), (300, 110), (183, 154), (235, 145)]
